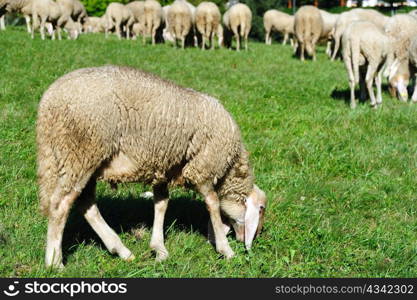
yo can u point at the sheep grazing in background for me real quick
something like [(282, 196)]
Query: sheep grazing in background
[(79, 14), (357, 14), (180, 21), (119, 124), (237, 21), (138, 12), (283, 23), (152, 19), (44, 11), (166, 34), (308, 28), (94, 25), (329, 23), (401, 28), (23, 7), (121, 17), (207, 19), (366, 49)]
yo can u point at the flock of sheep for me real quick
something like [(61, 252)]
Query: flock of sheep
[(180, 21), (371, 43)]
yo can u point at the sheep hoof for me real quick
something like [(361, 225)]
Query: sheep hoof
[(130, 258), (161, 256), (227, 253)]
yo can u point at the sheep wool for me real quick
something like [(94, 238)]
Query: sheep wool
[(119, 124)]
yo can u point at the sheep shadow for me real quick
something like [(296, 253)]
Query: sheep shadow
[(126, 213), (344, 95)]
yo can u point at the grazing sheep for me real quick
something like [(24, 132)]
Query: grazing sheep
[(180, 21), (79, 14), (401, 28), (329, 22), (166, 34), (138, 11), (357, 14), (365, 51), (119, 124), (44, 11), (280, 22), (207, 19), (152, 19), (238, 20), (21, 6), (308, 28), (94, 25), (119, 16)]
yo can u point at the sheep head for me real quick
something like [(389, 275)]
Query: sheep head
[(246, 217)]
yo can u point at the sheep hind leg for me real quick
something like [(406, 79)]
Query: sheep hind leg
[(369, 79), (213, 206), (378, 83), (91, 213), (161, 198), (60, 205)]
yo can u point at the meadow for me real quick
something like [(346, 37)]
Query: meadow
[(341, 183)]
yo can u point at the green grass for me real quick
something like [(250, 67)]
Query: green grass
[(341, 183)]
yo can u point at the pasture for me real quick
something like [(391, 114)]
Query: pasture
[(341, 183)]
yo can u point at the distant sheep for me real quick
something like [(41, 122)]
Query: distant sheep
[(401, 28), (119, 16), (152, 19), (238, 21), (308, 28), (365, 51), (88, 130), (207, 19), (275, 20), (357, 14), (180, 21)]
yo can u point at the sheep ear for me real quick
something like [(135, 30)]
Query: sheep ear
[(251, 221)]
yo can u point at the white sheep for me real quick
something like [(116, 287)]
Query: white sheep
[(88, 129), (152, 19), (357, 14), (138, 11), (329, 23), (275, 20), (238, 20), (401, 28), (21, 6), (308, 28), (180, 21), (207, 19), (366, 49), (119, 16)]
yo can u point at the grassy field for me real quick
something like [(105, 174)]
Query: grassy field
[(341, 183)]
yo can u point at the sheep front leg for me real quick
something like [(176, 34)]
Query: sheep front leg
[(161, 197), (213, 206), (414, 96), (89, 209), (27, 18)]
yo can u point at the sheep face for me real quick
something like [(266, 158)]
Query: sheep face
[(246, 218)]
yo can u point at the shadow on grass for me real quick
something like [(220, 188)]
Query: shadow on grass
[(123, 214), (344, 95)]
